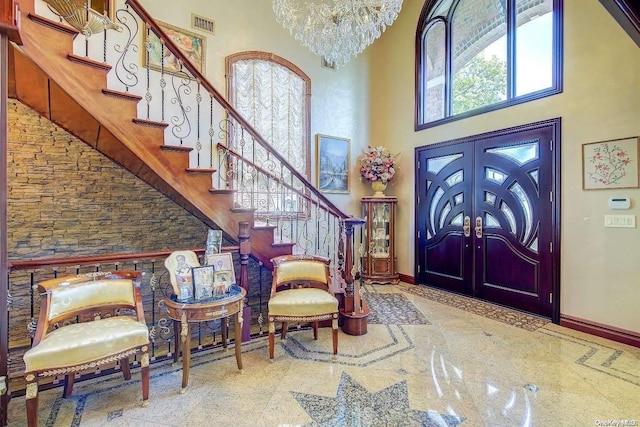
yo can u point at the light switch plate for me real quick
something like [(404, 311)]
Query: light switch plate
[(620, 221)]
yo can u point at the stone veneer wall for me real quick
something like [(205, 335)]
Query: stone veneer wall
[(66, 199)]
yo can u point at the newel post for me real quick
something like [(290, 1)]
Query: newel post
[(245, 250), (355, 312)]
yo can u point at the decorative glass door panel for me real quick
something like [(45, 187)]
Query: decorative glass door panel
[(484, 218)]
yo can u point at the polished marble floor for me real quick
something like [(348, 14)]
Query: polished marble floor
[(428, 359)]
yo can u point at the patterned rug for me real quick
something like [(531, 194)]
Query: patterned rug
[(393, 309), (509, 316)]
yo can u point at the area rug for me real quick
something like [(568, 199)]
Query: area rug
[(393, 309), (511, 317)]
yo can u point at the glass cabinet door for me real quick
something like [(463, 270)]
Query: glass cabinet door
[(379, 259), (379, 239)]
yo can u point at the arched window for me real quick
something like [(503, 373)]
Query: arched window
[(274, 96), (474, 56)]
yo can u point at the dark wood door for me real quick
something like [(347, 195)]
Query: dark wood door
[(485, 218)]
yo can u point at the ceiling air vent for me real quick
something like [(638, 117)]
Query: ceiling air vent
[(202, 23)]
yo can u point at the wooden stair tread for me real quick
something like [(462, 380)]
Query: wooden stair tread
[(201, 170), (53, 24), (151, 123), (178, 148), (123, 95), (89, 62)]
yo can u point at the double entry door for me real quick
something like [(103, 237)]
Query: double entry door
[(486, 217)]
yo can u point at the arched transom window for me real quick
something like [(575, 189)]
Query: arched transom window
[(273, 95), (480, 55)]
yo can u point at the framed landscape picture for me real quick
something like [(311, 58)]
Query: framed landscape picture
[(192, 45), (333, 155), (610, 164)]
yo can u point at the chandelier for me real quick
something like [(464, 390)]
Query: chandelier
[(336, 29), (80, 16)]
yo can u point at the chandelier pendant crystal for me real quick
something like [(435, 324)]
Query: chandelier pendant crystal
[(336, 29)]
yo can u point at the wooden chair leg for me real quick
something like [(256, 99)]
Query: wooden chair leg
[(315, 330), (285, 328), (272, 333), (68, 385), (126, 369), (32, 400), (144, 372), (334, 332)]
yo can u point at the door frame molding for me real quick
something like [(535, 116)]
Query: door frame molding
[(554, 124)]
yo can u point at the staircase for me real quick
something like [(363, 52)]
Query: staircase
[(139, 118)]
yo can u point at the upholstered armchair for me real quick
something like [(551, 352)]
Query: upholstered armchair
[(301, 291), (85, 322)]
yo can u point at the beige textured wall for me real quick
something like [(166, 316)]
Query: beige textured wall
[(601, 100)]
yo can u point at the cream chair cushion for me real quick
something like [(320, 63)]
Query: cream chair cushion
[(301, 270), (83, 342), (69, 298), (302, 302)]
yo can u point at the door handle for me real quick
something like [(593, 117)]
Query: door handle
[(466, 227), (478, 227)]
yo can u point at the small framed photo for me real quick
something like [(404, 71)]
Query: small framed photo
[(202, 282), (221, 282), (222, 263), (332, 163), (611, 164)]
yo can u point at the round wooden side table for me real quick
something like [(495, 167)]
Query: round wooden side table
[(191, 311)]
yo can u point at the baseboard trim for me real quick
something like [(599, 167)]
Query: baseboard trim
[(407, 279), (598, 329)]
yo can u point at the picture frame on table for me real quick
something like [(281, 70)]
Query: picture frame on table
[(222, 263), (221, 282), (611, 164), (192, 46), (202, 282), (333, 157), (214, 242)]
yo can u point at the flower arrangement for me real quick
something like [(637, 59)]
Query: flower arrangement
[(377, 164)]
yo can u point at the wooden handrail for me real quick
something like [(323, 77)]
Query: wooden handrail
[(100, 259)]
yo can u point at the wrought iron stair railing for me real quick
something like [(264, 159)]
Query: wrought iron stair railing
[(199, 120)]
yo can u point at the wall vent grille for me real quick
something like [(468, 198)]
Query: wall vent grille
[(202, 23)]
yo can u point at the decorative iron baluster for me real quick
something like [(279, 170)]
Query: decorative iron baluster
[(127, 72), (181, 84)]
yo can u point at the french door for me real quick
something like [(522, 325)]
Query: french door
[(486, 217)]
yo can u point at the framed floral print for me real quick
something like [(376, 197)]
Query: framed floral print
[(192, 45), (611, 164)]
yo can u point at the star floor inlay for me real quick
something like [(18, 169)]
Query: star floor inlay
[(354, 406)]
